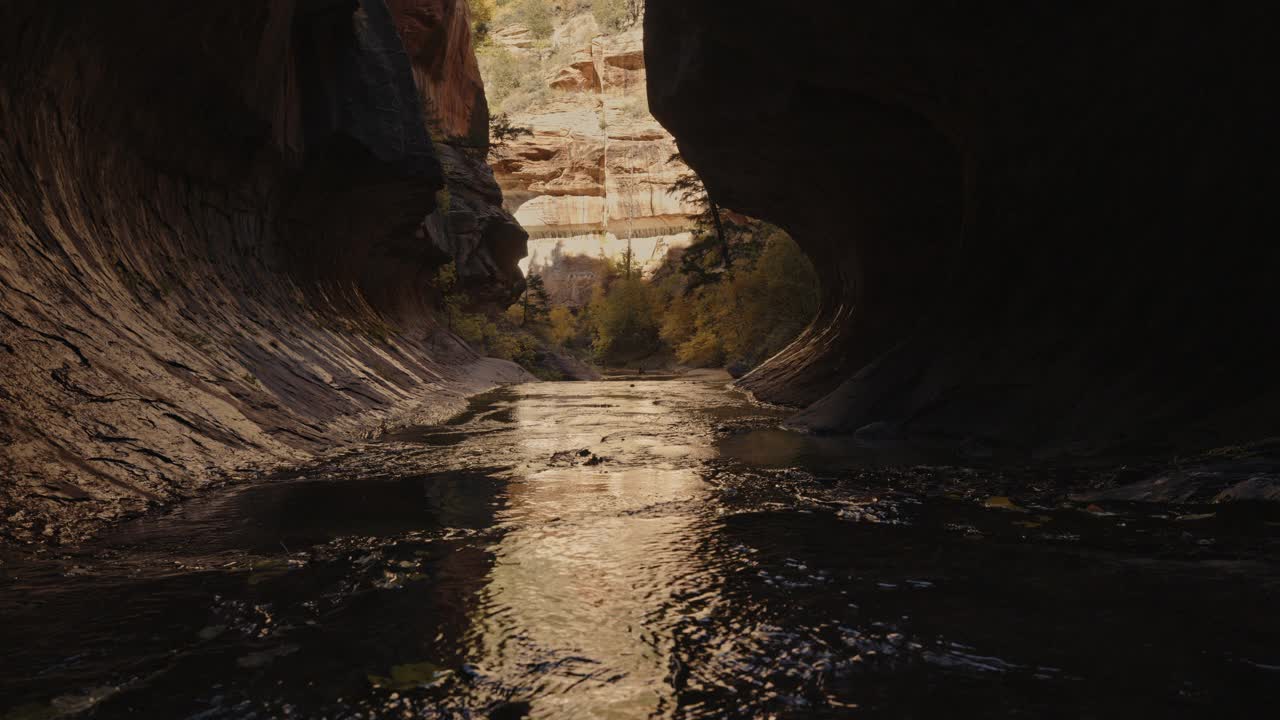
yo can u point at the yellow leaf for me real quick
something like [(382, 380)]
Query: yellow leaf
[(411, 676), (1001, 502)]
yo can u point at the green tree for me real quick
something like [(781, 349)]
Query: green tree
[(752, 312), (564, 326), (679, 320), (536, 302), (628, 263), (625, 322), (503, 131), (715, 231), (452, 299)]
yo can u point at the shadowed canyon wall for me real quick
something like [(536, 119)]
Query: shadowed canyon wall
[(218, 221), (1040, 227)]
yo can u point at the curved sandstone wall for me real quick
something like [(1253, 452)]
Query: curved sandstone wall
[(217, 224), (1039, 228)]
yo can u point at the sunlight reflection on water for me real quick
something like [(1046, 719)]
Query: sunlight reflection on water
[(579, 587)]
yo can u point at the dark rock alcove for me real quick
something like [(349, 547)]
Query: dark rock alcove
[(1042, 227)]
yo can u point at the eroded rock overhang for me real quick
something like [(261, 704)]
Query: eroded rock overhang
[(1039, 228), (218, 226)]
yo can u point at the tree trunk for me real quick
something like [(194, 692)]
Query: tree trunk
[(724, 241)]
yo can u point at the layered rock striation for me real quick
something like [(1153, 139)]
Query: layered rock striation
[(218, 224), (1039, 228), (595, 175)]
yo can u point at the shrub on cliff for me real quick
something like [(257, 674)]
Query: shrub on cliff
[(502, 131), (512, 83), (616, 15), (481, 20), (536, 15), (503, 73)]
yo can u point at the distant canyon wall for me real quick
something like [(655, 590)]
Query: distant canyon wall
[(218, 226), (596, 172)]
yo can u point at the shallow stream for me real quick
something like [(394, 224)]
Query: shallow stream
[(635, 549)]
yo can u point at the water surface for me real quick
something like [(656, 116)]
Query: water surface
[(646, 549)]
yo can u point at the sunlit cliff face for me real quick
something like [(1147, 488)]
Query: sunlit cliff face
[(649, 252), (596, 170)]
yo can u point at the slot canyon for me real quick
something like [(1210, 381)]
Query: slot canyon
[(281, 436)]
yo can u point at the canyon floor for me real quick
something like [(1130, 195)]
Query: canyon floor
[(647, 548)]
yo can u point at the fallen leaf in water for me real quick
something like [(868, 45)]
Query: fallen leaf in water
[(411, 676), (263, 569), (1037, 521), (1001, 502)]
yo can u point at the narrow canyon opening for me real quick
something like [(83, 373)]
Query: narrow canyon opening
[(633, 266), (627, 358)]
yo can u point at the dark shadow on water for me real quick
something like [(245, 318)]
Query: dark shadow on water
[(776, 447), (957, 614), (268, 518), (314, 585)]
